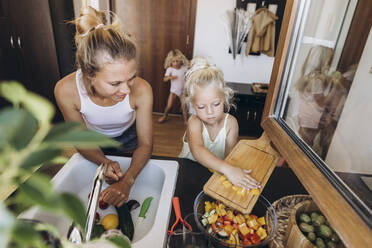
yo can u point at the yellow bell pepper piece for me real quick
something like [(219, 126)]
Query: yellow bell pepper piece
[(227, 184), (222, 178), (243, 229), (252, 223), (240, 219), (261, 220), (241, 191), (254, 192), (212, 219), (208, 206), (262, 233)]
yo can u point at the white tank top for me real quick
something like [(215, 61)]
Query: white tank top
[(217, 147), (111, 121)]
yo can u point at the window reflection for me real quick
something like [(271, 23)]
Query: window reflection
[(327, 102)]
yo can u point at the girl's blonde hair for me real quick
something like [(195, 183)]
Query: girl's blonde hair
[(200, 75), (316, 65), (175, 54), (99, 42)]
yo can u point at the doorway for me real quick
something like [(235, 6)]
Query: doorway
[(158, 27)]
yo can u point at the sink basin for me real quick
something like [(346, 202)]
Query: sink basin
[(157, 179)]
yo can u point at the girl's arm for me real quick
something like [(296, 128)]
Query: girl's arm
[(205, 157), (166, 78), (232, 134)]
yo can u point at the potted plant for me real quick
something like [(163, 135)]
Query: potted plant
[(28, 141)]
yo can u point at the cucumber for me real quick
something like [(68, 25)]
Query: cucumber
[(125, 221)]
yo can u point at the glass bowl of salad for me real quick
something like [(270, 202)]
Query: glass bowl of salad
[(226, 227)]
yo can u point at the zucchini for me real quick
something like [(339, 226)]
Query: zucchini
[(125, 221), (204, 221)]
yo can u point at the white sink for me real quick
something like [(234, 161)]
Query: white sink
[(157, 179)]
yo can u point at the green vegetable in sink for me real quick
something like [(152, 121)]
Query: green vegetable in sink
[(98, 230), (125, 221)]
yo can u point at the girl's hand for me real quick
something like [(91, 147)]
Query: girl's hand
[(173, 77), (116, 194), (113, 172), (241, 177)]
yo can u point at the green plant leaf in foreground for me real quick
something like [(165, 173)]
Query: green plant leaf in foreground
[(39, 106), (17, 127), (74, 208), (24, 235), (120, 241), (6, 223), (40, 157), (13, 91), (37, 190), (70, 134)]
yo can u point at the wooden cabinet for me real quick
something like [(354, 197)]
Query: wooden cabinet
[(28, 50), (249, 108), (32, 48)]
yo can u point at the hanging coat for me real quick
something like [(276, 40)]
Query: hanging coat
[(261, 37)]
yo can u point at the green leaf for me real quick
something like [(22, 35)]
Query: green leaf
[(120, 241), (24, 234), (13, 91), (6, 224), (40, 157), (39, 106), (81, 138), (45, 227), (17, 127), (61, 128), (38, 190), (74, 208)]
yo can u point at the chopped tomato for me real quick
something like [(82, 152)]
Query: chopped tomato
[(253, 216), (236, 226), (220, 219), (226, 222), (214, 227), (246, 242), (255, 238), (226, 218)]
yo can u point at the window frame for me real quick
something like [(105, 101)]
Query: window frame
[(329, 194)]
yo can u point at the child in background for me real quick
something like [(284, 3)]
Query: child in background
[(211, 132), (176, 66)]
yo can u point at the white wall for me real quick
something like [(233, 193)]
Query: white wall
[(351, 146), (211, 42)]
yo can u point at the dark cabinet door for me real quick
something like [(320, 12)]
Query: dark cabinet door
[(34, 39), (10, 66)]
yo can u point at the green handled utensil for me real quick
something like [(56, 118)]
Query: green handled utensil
[(142, 215)]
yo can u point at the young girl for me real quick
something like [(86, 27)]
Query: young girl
[(107, 96), (211, 132), (176, 64)]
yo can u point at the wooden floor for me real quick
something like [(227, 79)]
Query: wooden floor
[(168, 136)]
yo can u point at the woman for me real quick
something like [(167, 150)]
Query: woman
[(107, 96)]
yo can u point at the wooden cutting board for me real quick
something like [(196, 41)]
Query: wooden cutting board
[(257, 155)]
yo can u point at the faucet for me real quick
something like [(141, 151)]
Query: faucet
[(75, 235)]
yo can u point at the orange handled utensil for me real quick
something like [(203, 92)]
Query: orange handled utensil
[(177, 210)]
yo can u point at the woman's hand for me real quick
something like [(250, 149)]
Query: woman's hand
[(116, 194), (240, 177), (113, 172)]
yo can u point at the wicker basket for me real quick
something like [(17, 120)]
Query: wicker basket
[(283, 208)]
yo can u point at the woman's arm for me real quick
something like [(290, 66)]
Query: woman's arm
[(68, 101), (118, 192), (205, 157)]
